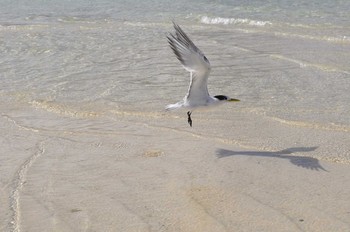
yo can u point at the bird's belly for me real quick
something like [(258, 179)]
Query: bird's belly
[(200, 104)]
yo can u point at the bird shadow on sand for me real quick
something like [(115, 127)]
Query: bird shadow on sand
[(300, 161)]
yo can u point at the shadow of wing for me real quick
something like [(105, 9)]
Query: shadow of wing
[(297, 149), (300, 161), (306, 162)]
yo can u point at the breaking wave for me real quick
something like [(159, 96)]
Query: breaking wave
[(225, 21)]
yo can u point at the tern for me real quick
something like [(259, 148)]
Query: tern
[(195, 62)]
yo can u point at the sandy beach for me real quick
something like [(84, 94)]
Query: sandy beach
[(135, 173), (86, 145)]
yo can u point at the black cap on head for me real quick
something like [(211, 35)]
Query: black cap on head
[(221, 97)]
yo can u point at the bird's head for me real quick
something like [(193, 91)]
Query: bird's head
[(225, 98)]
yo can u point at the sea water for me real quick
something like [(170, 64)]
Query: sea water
[(288, 61)]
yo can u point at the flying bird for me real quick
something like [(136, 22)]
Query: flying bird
[(195, 62)]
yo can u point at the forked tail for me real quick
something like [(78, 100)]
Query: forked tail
[(174, 106)]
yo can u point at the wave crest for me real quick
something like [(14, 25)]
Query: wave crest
[(225, 21)]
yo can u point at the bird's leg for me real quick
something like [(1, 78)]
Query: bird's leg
[(189, 120)]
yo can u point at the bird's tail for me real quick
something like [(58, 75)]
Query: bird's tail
[(174, 106)]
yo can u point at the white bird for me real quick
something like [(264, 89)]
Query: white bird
[(194, 61)]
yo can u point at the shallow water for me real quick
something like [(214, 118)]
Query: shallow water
[(287, 62)]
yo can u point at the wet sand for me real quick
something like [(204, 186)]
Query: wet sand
[(152, 172)]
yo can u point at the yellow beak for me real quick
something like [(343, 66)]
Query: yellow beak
[(233, 100)]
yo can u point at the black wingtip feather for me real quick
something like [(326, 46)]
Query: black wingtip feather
[(179, 40), (173, 47)]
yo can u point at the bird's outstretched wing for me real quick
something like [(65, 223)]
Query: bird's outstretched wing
[(194, 61)]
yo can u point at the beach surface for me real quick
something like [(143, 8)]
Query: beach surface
[(138, 173), (86, 145)]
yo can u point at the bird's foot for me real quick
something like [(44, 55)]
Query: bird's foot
[(189, 120)]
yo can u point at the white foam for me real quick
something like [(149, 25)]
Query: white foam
[(225, 21)]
